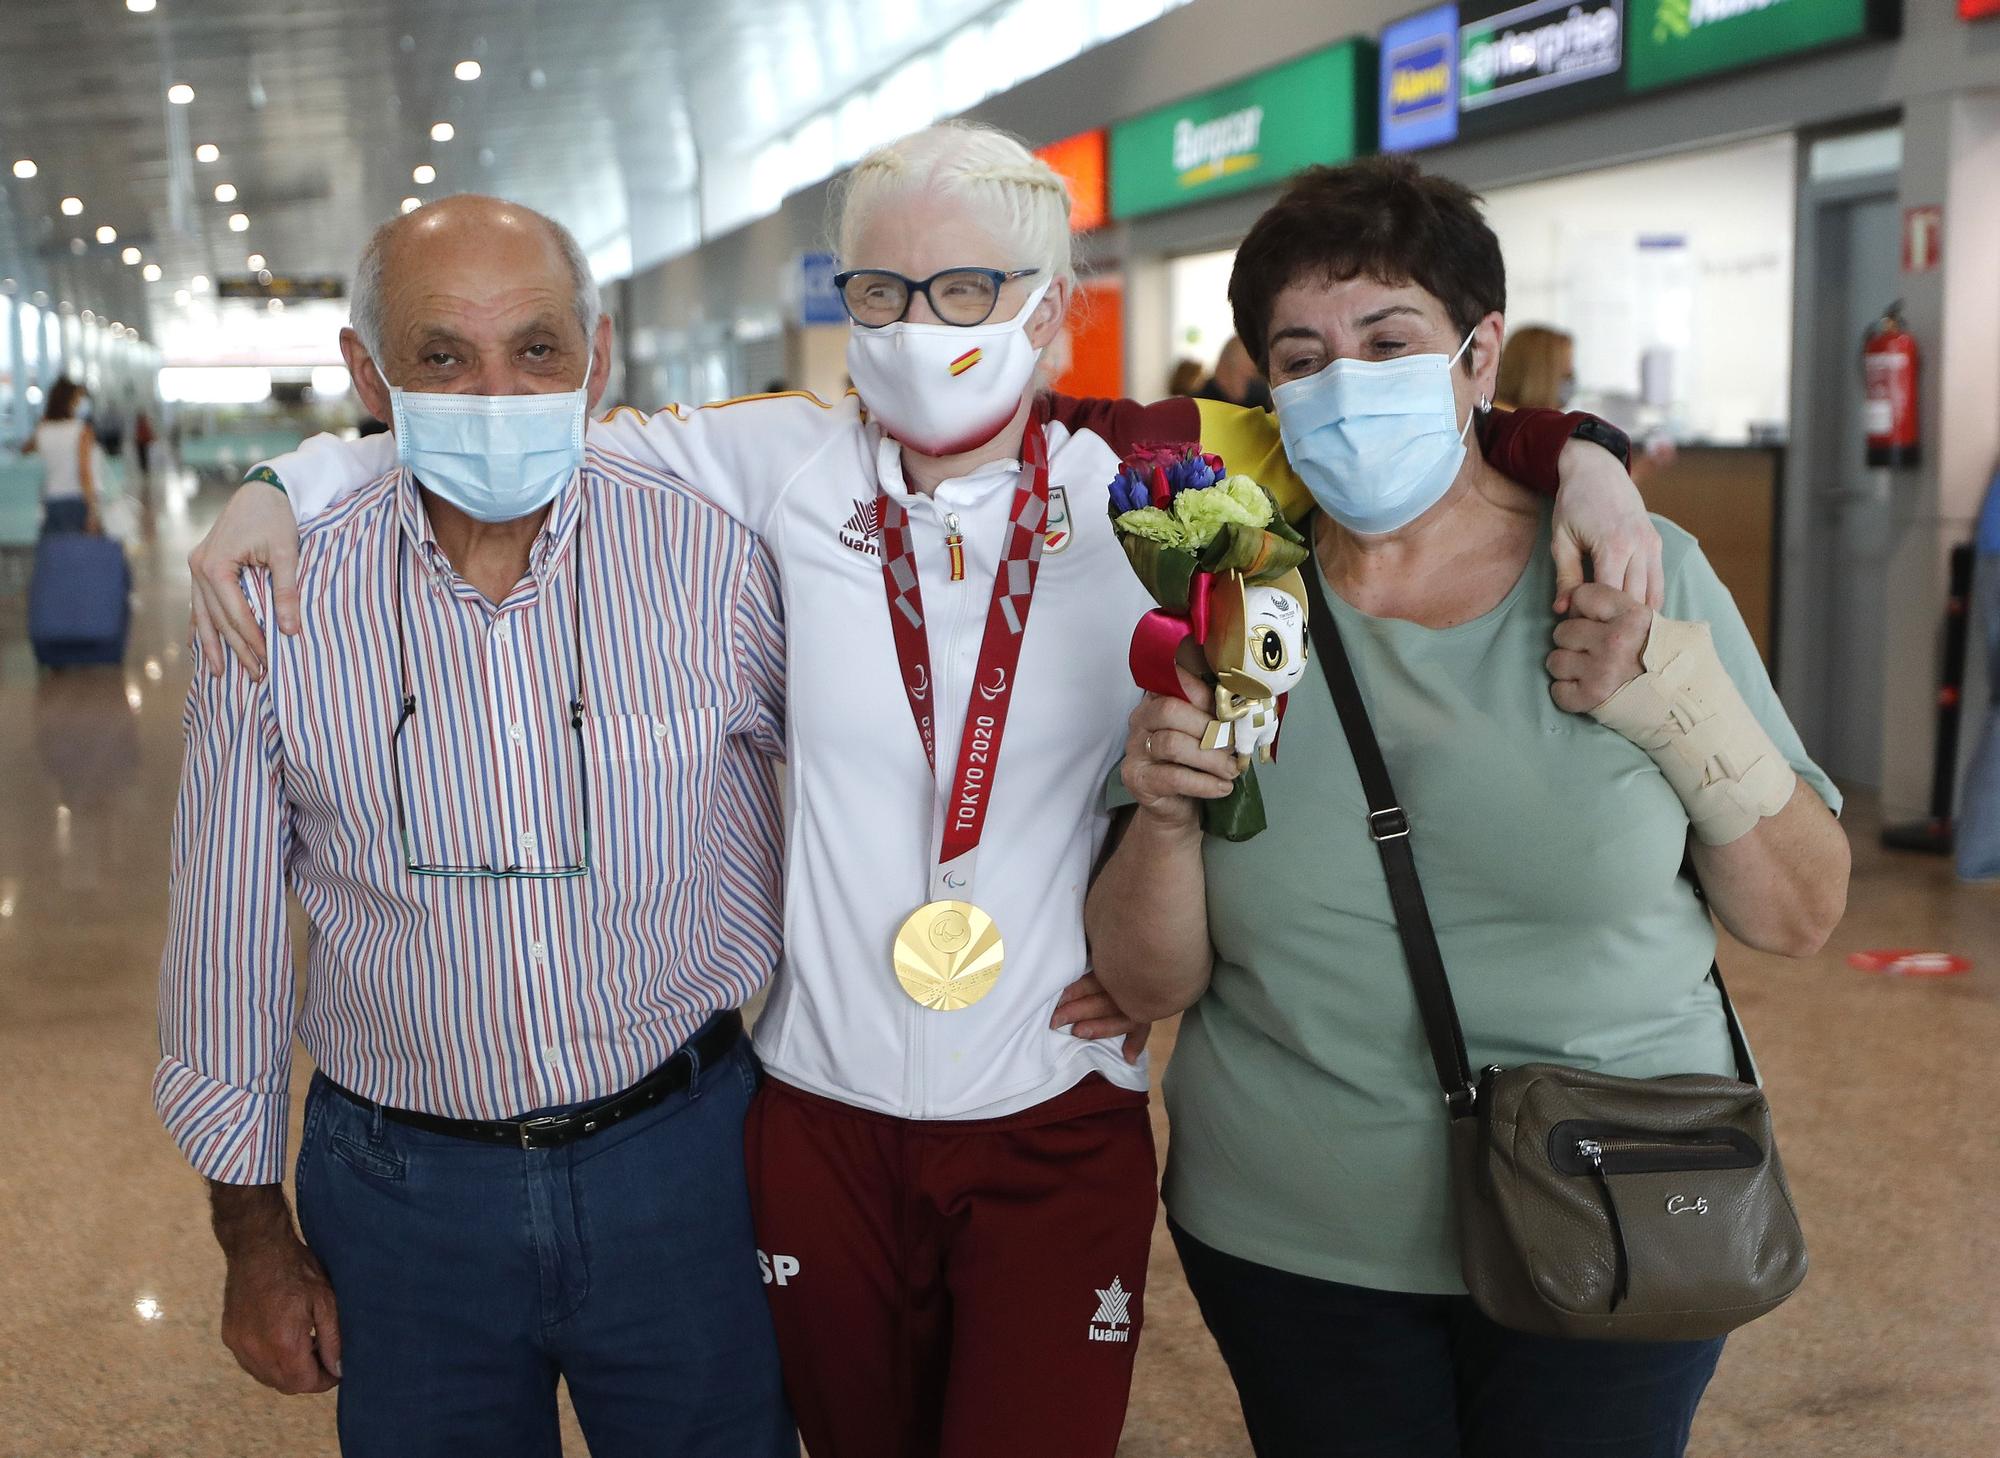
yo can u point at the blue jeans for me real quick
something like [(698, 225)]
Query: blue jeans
[(469, 1277), (1332, 1371), (1979, 802), (65, 514)]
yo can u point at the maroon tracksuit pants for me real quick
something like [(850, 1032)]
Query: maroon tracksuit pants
[(948, 1289)]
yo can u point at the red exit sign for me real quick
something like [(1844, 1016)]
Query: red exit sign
[(1973, 9)]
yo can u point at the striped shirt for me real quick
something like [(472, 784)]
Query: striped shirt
[(478, 997)]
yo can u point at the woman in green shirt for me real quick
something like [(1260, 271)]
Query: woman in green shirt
[(1308, 1182)]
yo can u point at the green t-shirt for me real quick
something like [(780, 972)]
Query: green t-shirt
[(1308, 1129)]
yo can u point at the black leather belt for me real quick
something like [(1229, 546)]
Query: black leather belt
[(551, 1132)]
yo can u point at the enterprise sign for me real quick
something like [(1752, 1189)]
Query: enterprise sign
[(1541, 46), (1484, 66)]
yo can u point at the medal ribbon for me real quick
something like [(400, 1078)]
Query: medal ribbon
[(971, 792)]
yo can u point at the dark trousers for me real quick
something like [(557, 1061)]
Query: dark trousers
[(956, 1288), (1332, 1371), (469, 1277), (65, 514)]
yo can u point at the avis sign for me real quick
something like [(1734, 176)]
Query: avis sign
[(1253, 133)]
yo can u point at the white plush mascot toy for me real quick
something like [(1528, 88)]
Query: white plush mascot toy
[(1257, 647)]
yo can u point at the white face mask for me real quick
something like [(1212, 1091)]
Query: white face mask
[(942, 390), (1377, 442), (494, 457)]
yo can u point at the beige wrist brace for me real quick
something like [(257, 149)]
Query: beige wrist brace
[(1685, 712)]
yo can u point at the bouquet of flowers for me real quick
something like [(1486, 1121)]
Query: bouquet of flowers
[(1221, 561)]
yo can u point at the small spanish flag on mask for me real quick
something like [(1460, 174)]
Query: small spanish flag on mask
[(965, 362)]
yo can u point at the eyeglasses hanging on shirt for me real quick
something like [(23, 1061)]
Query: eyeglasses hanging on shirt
[(417, 865)]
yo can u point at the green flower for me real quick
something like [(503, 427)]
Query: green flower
[(1155, 525)]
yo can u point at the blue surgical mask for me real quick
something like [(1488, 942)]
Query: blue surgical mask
[(494, 457), (1377, 442)]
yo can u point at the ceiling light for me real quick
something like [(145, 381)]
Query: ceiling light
[(152, 272), (71, 206), (466, 70), (180, 94), (411, 204), (89, 317), (78, 246), (423, 174), (141, 7), (254, 262), (183, 297), (199, 283), (239, 222), (208, 152), (443, 132), (107, 234), (131, 255), (225, 192), (25, 168), (276, 306)]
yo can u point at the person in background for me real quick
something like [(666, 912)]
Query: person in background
[(69, 460), (1537, 367), (1979, 807), (142, 441), (1308, 1189), (1185, 380), (1236, 381)]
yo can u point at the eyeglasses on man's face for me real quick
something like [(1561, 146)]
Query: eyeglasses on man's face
[(963, 297)]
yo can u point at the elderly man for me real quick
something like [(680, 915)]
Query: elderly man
[(539, 858)]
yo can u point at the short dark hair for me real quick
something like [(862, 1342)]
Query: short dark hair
[(1382, 217)]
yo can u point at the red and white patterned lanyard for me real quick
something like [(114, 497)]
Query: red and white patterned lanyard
[(955, 847)]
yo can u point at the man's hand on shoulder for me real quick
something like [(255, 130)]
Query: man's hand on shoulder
[(256, 530), (278, 1317)]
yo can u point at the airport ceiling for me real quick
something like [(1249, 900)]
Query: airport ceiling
[(597, 111)]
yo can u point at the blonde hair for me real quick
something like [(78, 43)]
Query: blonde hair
[(1532, 367), (1019, 198)]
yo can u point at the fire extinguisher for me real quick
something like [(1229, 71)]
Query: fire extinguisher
[(1889, 372)]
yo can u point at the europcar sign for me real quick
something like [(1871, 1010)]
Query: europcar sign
[(1251, 134), (1680, 40)]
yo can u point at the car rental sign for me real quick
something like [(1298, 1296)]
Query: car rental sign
[(1253, 133), (1419, 101), (1542, 46), (1475, 68), (1680, 40)]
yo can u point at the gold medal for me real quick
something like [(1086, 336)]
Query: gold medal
[(948, 955)]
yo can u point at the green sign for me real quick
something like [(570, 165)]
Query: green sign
[(1252, 134), (1679, 40)]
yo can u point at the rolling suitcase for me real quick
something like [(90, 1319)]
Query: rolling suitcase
[(79, 603)]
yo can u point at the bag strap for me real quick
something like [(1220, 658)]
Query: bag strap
[(1389, 828)]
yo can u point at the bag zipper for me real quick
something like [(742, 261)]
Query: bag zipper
[(1592, 1151), (1646, 1152)]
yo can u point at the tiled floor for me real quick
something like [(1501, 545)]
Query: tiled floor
[(1884, 1091)]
